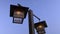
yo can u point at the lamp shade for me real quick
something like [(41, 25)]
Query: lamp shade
[(22, 10), (40, 24)]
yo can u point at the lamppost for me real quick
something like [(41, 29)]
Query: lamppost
[(19, 13)]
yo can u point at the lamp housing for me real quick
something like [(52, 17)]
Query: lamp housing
[(40, 24), (18, 13), (40, 27), (15, 11)]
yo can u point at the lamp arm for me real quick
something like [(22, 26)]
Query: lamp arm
[(36, 17)]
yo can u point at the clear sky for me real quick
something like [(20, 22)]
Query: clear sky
[(48, 10)]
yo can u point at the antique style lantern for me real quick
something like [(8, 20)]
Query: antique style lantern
[(18, 13), (40, 27)]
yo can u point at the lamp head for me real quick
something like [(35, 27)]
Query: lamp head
[(18, 11), (40, 27)]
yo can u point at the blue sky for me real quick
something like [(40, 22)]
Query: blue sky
[(48, 10)]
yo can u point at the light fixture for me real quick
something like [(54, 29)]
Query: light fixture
[(40, 27), (18, 13)]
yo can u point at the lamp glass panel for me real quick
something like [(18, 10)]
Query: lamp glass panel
[(18, 14), (17, 20)]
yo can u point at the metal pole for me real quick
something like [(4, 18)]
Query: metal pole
[(31, 22)]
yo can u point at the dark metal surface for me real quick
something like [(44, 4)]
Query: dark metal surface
[(31, 22)]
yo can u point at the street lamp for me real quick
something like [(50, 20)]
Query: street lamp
[(40, 27), (18, 13)]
